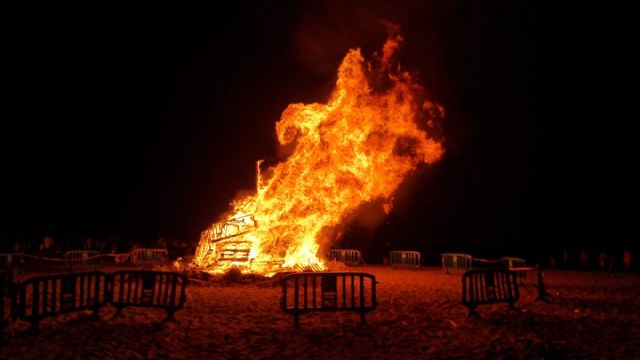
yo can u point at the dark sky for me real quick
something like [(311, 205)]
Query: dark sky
[(140, 121)]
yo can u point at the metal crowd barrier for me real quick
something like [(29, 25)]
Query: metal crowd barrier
[(25, 263), (47, 296), (20, 262), (123, 259), (521, 271), (514, 262), (32, 263), (456, 262), (504, 262), (347, 256), (489, 286), (11, 260), (149, 256), (155, 289), (404, 259), (82, 257), (327, 292)]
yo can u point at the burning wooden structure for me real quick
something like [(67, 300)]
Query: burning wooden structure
[(375, 130), (223, 246)]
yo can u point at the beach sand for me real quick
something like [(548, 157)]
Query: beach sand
[(419, 315)]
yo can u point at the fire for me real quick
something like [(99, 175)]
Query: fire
[(356, 148)]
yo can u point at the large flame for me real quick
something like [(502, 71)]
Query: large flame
[(353, 150)]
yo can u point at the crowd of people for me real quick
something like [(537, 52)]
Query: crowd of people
[(49, 247), (604, 261)]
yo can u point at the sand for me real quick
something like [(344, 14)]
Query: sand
[(592, 315)]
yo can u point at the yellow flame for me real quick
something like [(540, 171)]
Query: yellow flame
[(355, 149)]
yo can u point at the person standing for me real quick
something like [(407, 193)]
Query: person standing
[(626, 259), (46, 247), (602, 261), (88, 244)]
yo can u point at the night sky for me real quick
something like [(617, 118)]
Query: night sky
[(147, 121)]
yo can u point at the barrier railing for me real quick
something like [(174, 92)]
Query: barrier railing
[(24, 263), (489, 286), (31, 263), (11, 260), (122, 259), (514, 262), (404, 259), (328, 291), (155, 289), (47, 296), (149, 256), (521, 271), (503, 262), (20, 262), (456, 262), (347, 256), (82, 257)]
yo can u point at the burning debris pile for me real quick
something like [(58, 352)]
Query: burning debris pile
[(357, 148), (225, 239)]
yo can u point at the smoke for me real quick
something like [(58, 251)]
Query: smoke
[(328, 29)]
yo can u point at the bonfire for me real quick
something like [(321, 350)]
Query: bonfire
[(376, 129)]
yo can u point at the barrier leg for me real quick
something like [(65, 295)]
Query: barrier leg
[(296, 321), (542, 295), (512, 307), (169, 317), (118, 312), (362, 318), (35, 327)]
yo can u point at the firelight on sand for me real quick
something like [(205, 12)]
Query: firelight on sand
[(357, 148)]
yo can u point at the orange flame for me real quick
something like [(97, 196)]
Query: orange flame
[(355, 149)]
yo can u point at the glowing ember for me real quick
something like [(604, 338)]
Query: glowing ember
[(353, 150)]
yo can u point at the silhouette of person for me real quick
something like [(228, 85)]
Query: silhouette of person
[(626, 259), (46, 247), (88, 244)]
